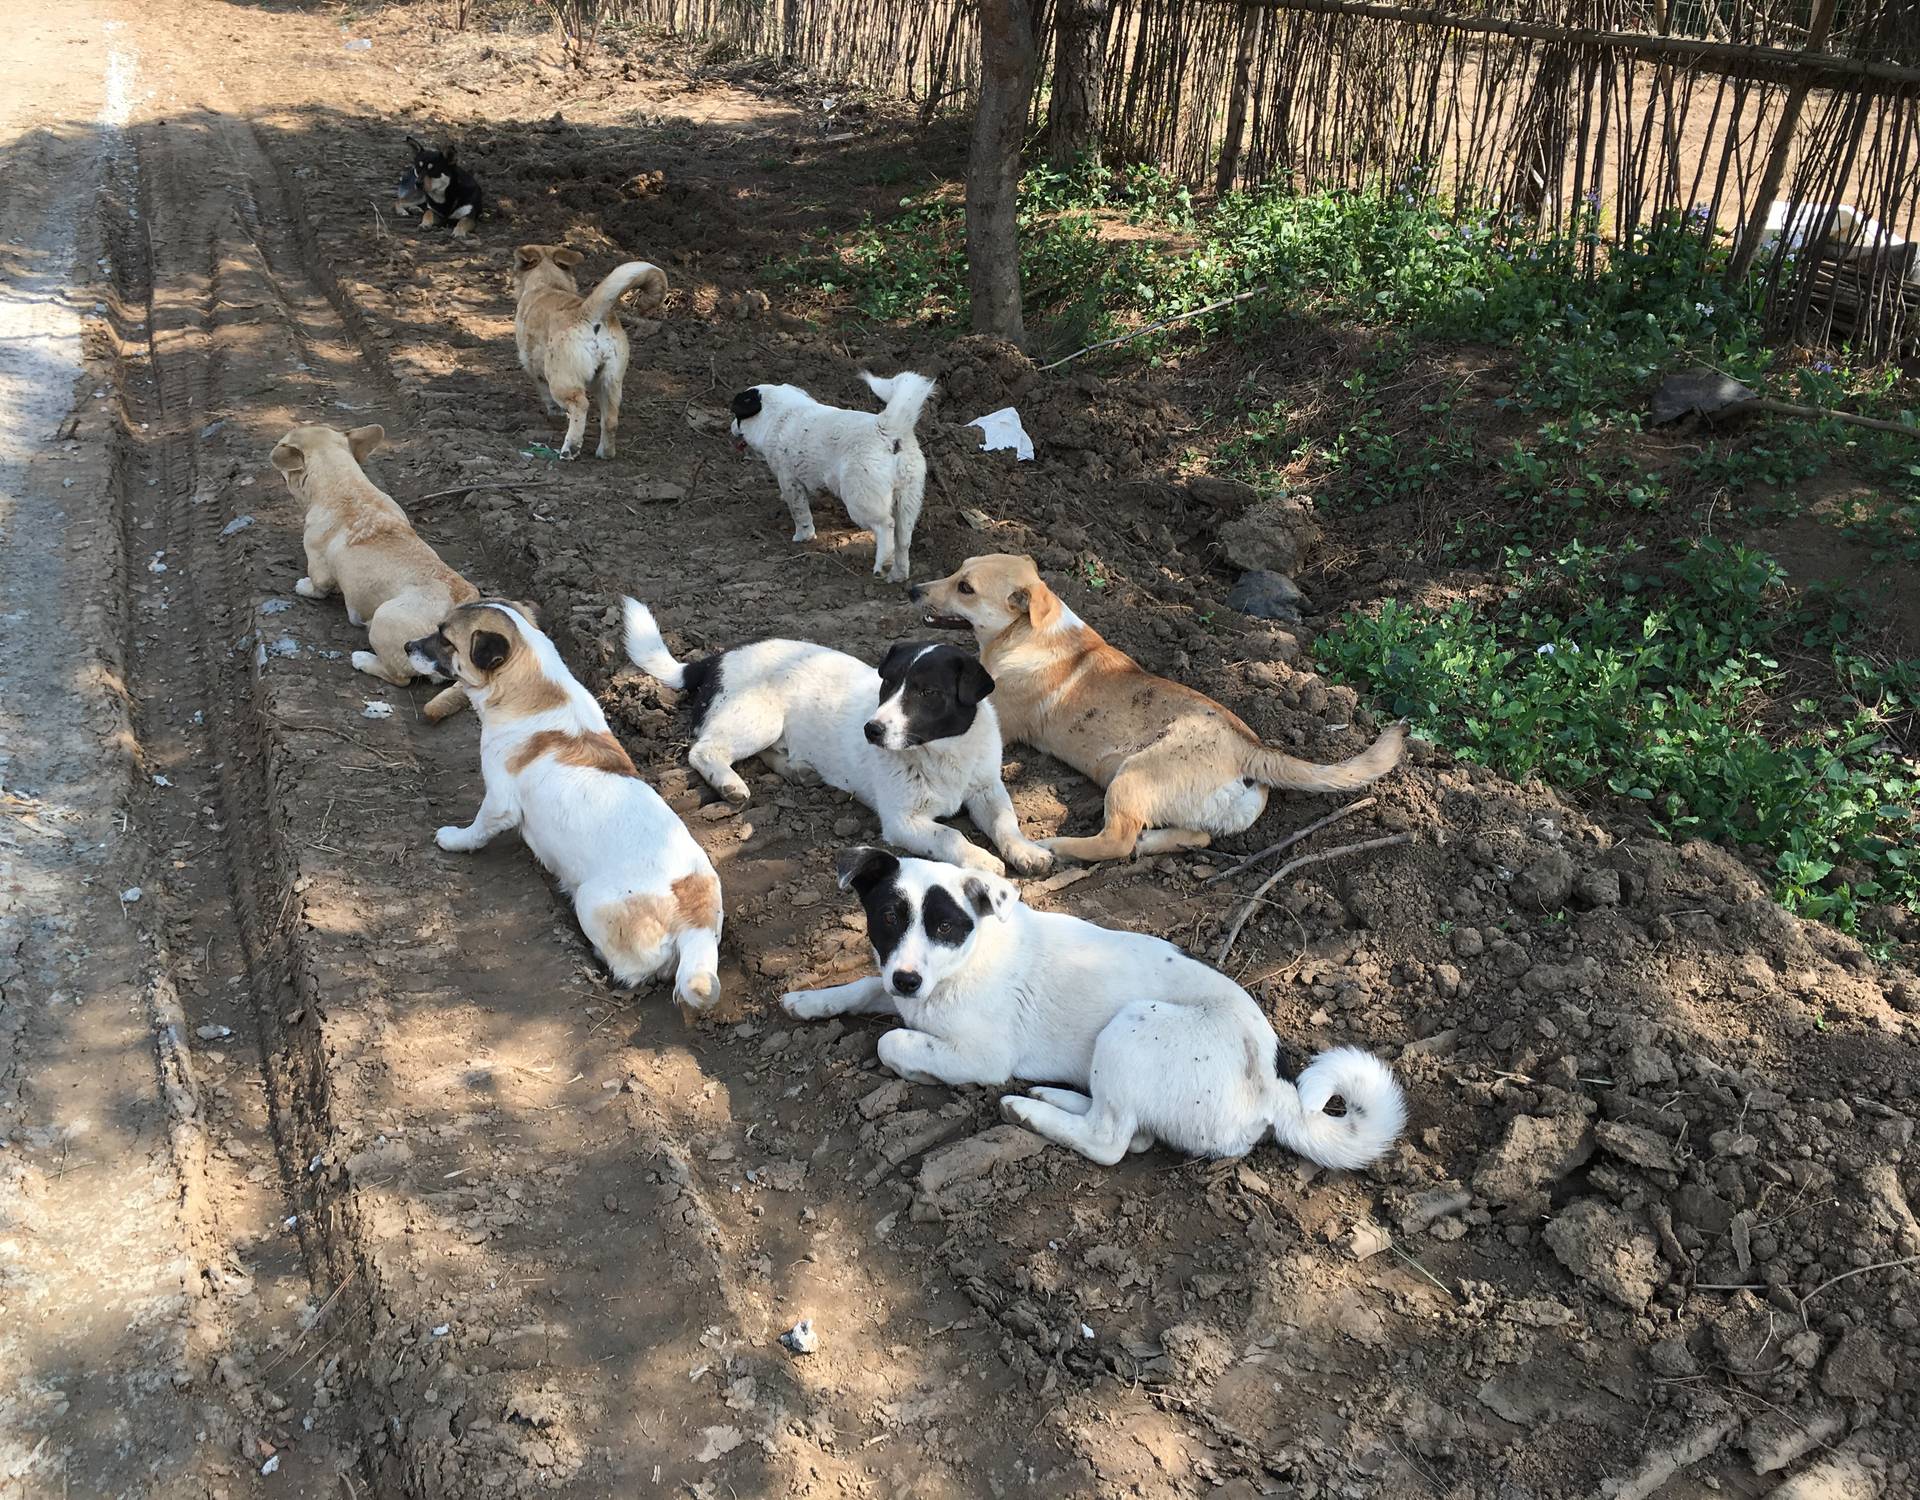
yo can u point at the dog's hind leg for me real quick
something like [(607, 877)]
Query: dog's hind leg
[(1115, 841), (388, 632), (1073, 1103), (906, 515), (733, 731), (574, 399), (1100, 1134), (1165, 840), (607, 389), (883, 549)]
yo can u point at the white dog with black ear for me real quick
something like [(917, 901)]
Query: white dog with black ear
[(1154, 1045), (870, 460), (915, 741)]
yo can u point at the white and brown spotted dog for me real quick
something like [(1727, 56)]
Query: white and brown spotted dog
[(359, 544), (644, 891), (573, 345), (1179, 769)]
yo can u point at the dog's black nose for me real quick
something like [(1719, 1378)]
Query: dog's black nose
[(875, 732), (906, 981), (915, 592)]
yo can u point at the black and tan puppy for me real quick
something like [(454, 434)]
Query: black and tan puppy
[(451, 193)]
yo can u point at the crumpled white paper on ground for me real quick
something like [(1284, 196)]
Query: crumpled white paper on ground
[(1003, 430)]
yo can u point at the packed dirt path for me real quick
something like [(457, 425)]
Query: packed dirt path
[(406, 1199)]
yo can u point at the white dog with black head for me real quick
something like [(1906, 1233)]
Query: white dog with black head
[(916, 741), (1152, 1045), (870, 460)]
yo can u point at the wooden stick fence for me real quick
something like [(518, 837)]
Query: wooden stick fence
[(1583, 119)]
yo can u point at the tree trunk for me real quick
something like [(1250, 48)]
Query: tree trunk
[(1237, 102), (1079, 80), (790, 31), (1007, 68)]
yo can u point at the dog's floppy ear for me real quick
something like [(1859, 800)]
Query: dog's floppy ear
[(289, 458), (419, 145), (989, 895), (527, 257), (487, 649), (747, 403), (568, 258), (1042, 604), (448, 155), (365, 440), (862, 867), (975, 681)]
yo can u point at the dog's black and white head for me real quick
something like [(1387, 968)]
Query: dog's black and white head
[(928, 691), (747, 405), (433, 168), (923, 918)]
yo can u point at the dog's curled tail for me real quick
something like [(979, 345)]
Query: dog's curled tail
[(1376, 1109), (647, 650), (621, 280), (1271, 767), (905, 394)]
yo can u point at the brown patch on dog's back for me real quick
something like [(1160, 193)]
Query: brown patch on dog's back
[(640, 923), (598, 751), (696, 900)]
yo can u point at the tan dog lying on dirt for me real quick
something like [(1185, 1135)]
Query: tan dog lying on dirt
[(358, 543), (1178, 768), (573, 344), (644, 891)]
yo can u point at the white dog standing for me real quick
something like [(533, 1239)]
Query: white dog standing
[(870, 460), (644, 891), (915, 741), (1155, 1045)]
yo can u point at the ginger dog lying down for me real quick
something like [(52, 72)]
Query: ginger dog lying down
[(1154, 1045), (644, 891), (359, 544), (1179, 769)]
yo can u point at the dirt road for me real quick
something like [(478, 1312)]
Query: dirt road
[(334, 1166)]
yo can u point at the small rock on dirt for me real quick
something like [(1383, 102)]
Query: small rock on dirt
[(1537, 1150), (1267, 596), (1544, 884), (801, 1338), (1606, 1249), (1858, 1369), (975, 1157)]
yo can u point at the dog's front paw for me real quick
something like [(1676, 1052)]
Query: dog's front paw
[(1029, 859), (1017, 1109), (604, 450), (453, 838), (569, 453), (975, 858), (366, 661), (305, 589), (804, 1005), (1052, 846)]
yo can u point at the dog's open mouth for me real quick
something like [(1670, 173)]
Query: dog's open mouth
[(946, 622)]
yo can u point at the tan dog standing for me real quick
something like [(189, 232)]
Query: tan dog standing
[(358, 542), (1179, 769), (573, 344)]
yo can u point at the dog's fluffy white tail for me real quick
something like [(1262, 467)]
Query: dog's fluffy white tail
[(622, 279), (1376, 1109), (647, 650), (905, 394)]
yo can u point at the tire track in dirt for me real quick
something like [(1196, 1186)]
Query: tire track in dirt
[(521, 1201)]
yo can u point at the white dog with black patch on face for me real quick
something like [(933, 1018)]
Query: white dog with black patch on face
[(870, 460), (915, 741), (1154, 1045)]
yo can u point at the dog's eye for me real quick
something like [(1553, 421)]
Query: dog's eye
[(943, 929), (965, 587)]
